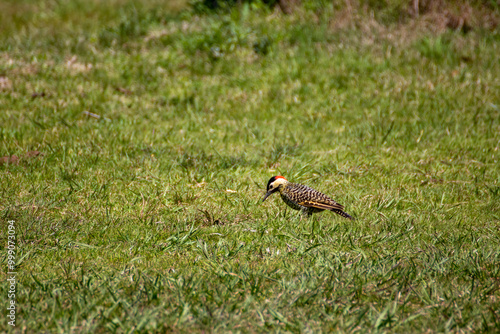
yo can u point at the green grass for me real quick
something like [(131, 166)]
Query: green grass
[(160, 128)]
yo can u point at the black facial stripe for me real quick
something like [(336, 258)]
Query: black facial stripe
[(270, 181)]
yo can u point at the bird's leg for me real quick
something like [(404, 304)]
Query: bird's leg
[(305, 213)]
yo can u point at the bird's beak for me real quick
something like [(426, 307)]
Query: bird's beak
[(267, 195)]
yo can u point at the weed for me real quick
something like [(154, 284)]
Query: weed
[(137, 139)]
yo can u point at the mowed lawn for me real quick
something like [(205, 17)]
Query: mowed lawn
[(144, 134)]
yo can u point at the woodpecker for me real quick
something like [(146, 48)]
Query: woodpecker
[(303, 198)]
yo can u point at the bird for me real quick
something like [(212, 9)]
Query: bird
[(303, 198)]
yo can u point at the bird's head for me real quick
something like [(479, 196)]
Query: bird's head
[(273, 185)]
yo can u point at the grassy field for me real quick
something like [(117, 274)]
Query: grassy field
[(156, 127)]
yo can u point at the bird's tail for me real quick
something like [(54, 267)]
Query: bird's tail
[(342, 213)]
